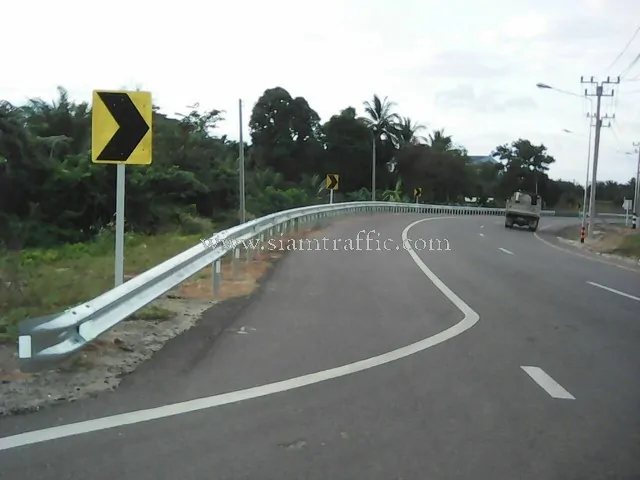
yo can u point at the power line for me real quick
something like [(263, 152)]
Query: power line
[(624, 49), (631, 65)]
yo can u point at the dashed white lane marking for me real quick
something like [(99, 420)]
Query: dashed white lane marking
[(469, 320), (505, 251), (481, 226), (552, 387), (613, 290), (481, 234)]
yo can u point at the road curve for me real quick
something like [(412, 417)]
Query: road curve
[(532, 373)]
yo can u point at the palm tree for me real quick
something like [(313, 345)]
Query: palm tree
[(406, 132), (440, 142), (381, 120)]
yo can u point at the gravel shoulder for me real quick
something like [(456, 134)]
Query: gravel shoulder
[(610, 241), (102, 365)]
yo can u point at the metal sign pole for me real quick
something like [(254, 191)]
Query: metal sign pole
[(120, 183)]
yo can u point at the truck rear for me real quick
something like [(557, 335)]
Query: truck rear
[(523, 209)]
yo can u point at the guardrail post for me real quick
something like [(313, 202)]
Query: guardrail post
[(216, 277), (234, 263), (249, 249)]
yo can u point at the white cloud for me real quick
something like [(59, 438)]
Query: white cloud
[(340, 53)]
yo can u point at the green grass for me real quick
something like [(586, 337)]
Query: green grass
[(630, 246), (37, 282), (601, 207)]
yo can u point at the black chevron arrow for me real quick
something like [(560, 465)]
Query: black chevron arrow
[(132, 127), (333, 181)]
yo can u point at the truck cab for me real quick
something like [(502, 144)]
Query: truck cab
[(523, 209)]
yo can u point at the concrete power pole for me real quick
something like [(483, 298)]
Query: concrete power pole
[(596, 148), (243, 208), (636, 196)]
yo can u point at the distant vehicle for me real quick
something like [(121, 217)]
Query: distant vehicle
[(523, 209)]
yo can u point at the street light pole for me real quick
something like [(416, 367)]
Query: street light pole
[(586, 185), (636, 196), (373, 168), (243, 211)]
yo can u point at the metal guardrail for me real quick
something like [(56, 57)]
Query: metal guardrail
[(46, 341)]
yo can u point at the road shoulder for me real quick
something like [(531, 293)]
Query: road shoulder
[(566, 238)]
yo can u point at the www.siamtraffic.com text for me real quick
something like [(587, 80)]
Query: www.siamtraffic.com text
[(364, 241)]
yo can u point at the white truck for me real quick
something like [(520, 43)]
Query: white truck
[(523, 209)]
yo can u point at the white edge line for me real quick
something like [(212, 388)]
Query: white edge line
[(588, 257), (548, 384), (613, 290), (505, 251), (469, 320)]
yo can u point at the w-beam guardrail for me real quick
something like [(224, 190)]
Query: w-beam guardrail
[(46, 341)]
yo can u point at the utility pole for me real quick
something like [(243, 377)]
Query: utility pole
[(243, 209), (636, 196), (596, 148)]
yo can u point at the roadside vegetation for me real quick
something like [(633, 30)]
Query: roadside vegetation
[(56, 207)]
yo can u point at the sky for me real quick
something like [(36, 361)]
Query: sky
[(468, 67)]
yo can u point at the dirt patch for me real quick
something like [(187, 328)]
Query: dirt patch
[(118, 352), (608, 240)]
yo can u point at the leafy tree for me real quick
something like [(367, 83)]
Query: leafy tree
[(348, 150), (524, 167), (51, 192), (286, 134)]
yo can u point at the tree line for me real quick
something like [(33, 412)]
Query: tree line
[(51, 192)]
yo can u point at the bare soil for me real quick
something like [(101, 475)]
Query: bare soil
[(101, 366), (609, 240)]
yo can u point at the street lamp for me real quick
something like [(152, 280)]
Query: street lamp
[(586, 184), (545, 86), (373, 165)]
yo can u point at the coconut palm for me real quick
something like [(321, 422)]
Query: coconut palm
[(407, 132), (381, 120)]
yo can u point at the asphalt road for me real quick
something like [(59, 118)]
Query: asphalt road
[(495, 359)]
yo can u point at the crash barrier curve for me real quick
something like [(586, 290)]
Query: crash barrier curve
[(46, 341)]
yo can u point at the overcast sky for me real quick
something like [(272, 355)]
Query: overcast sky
[(469, 67)]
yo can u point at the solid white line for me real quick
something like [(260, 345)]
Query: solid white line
[(552, 387), (469, 320), (572, 252), (505, 250), (613, 290)]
